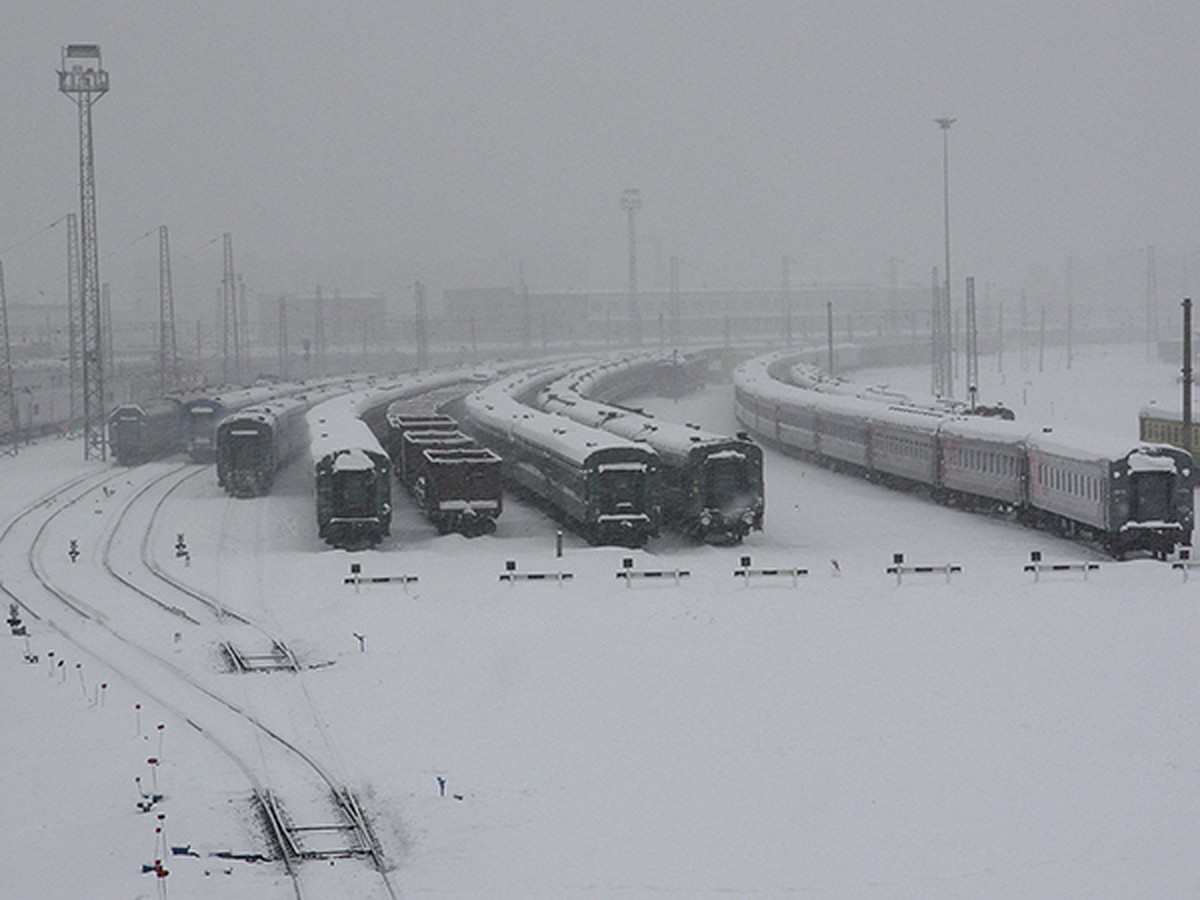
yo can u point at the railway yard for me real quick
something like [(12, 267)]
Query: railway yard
[(201, 682)]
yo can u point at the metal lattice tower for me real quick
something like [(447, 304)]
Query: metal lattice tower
[(74, 321), (168, 349), (8, 396), (229, 316), (631, 202), (83, 79)]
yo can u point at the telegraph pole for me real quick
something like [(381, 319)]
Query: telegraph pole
[(244, 363), (785, 294), (283, 338), (229, 316), (168, 349), (319, 330), (631, 202), (1187, 375), (526, 315), (676, 312), (829, 333), (972, 344), (106, 329), (1151, 302), (422, 334), (8, 397), (83, 79), (936, 339), (1070, 305)]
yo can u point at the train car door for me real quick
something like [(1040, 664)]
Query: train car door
[(1150, 496)]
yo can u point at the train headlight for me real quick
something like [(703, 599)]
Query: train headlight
[(706, 518)]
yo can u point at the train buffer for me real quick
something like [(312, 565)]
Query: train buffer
[(630, 574), (512, 576), (357, 578), (1185, 563), (1038, 567), (746, 571), (899, 568)]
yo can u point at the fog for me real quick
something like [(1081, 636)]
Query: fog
[(363, 145)]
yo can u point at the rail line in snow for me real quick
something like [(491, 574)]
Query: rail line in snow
[(206, 709)]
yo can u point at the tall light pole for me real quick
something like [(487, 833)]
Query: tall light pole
[(944, 124), (631, 202), (83, 79)]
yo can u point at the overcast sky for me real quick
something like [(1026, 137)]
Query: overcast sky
[(364, 144)]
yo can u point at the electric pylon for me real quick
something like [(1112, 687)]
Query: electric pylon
[(83, 79)]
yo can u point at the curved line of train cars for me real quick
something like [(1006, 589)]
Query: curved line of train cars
[(455, 480), (139, 432), (1126, 496), (712, 484), (601, 485)]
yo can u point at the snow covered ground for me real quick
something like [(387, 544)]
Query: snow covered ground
[(986, 737)]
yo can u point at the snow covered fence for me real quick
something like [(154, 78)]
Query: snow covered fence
[(512, 576), (629, 573), (899, 569), (745, 571), (1037, 567)]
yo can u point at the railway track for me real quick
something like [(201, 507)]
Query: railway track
[(308, 813)]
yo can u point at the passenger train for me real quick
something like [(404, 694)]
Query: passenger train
[(1126, 496), (712, 484), (603, 486)]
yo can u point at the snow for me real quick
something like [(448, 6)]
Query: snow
[(990, 735)]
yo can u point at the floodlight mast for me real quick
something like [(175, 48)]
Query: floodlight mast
[(83, 79), (948, 323)]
